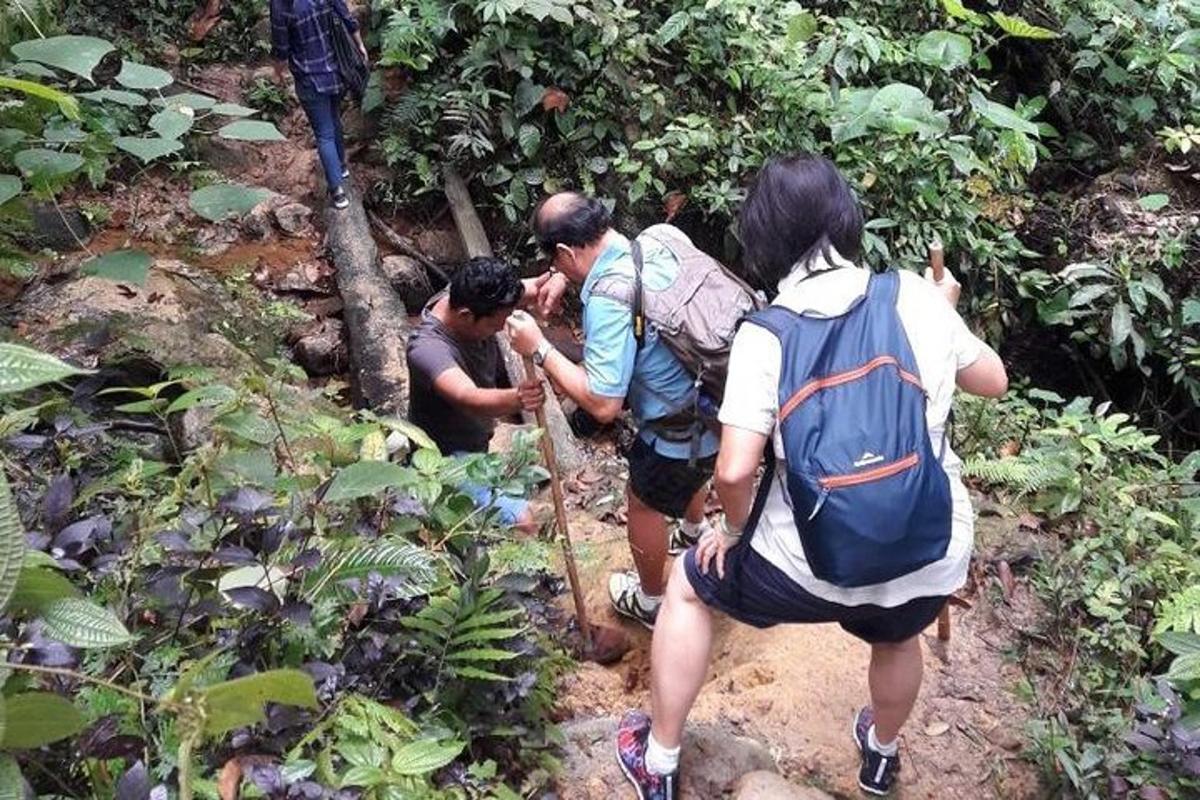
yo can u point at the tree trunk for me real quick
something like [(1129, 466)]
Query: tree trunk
[(375, 317), (568, 453)]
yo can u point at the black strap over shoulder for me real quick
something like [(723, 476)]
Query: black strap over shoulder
[(639, 313)]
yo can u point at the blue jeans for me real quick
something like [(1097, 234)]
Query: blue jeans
[(324, 114)]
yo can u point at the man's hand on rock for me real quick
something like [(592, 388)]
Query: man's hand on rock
[(532, 395), (524, 333)]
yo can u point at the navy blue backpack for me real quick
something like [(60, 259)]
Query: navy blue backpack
[(868, 493)]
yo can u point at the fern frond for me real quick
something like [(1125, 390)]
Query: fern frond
[(412, 569), (1025, 475), (464, 630)]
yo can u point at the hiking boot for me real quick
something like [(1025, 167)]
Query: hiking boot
[(679, 542), (623, 591), (340, 198), (878, 772), (632, 735)]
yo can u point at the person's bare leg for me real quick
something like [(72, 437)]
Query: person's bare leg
[(679, 656), (895, 679), (695, 507), (526, 524), (648, 543)]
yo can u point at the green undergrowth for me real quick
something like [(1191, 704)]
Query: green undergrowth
[(1123, 715), (201, 571)]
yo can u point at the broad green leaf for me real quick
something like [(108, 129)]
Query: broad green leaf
[(1180, 643), (1183, 669), (414, 434), (425, 756), (67, 104), (1002, 116), (140, 76), (148, 148), (1191, 311), (1154, 202), (79, 55), (11, 137), (676, 24), (120, 266), (33, 719), (39, 164), (63, 132), (225, 200), (233, 110), (23, 368), (37, 588), (196, 102), (956, 9), (530, 139), (801, 27), (172, 123), (944, 49), (251, 130), (82, 623), (1122, 323), (238, 703), (212, 395), (123, 98), (35, 70), (12, 543), (10, 187), (1019, 27), (12, 785), (366, 479)]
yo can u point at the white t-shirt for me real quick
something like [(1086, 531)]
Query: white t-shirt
[(942, 345)]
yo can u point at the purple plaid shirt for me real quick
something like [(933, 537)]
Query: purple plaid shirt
[(300, 35)]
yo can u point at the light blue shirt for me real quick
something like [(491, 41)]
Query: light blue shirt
[(653, 380)]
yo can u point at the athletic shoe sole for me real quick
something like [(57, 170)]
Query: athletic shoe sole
[(860, 745), (630, 615), (629, 776)]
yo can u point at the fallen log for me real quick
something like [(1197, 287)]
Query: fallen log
[(568, 453), (376, 320)]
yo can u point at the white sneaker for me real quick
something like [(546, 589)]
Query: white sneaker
[(679, 541), (624, 589)]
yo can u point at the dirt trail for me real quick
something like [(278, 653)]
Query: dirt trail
[(795, 689)]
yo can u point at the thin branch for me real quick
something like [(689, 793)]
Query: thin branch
[(29, 19), (79, 676)]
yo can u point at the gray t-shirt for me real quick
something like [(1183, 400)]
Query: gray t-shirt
[(433, 349)]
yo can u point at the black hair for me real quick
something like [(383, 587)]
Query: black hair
[(485, 286), (581, 221), (798, 207)]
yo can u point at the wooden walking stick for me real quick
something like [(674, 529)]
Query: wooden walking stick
[(937, 262), (601, 643)]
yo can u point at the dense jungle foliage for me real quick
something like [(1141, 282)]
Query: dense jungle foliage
[(325, 563)]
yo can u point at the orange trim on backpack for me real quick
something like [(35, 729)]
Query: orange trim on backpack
[(879, 473), (812, 387)]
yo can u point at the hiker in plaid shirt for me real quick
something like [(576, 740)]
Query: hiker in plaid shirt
[(301, 38)]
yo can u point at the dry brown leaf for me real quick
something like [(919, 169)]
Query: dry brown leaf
[(1010, 449), (674, 203), (229, 783), (555, 99), (204, 19), (937, 728), (357, 612), (1031, 522), (1008, 583)]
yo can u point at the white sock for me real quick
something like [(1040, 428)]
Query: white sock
[(648, 601), (888, 749), (661, 760)]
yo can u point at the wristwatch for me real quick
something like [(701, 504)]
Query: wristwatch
[(543, 350)]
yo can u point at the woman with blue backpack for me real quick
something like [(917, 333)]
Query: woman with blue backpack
[(845, 382)]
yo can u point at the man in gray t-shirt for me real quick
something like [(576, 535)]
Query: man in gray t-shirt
[(458, 385)]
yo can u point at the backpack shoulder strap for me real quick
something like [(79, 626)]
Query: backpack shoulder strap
[(883, 289), (627, 292), (776, 319)]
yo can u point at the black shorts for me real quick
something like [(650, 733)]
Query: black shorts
[(758, 593), (665, 484)]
